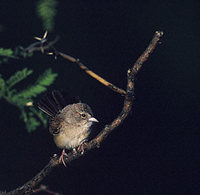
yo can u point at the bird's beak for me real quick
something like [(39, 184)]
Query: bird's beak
[(93, 120)]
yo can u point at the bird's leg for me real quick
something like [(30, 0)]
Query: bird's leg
[(61, 159), (81, 148)]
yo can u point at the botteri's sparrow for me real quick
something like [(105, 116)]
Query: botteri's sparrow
[(69, 124)]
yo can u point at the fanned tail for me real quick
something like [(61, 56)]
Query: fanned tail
[(53, 103)]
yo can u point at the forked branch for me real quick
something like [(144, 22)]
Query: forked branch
[(28, 187)]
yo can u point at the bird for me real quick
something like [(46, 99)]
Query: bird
[(70, 123)]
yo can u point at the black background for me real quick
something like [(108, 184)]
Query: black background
[(157, 148)]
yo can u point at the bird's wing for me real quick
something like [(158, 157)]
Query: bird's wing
[(55, 125)]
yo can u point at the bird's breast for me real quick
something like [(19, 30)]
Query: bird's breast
[(71, 137)]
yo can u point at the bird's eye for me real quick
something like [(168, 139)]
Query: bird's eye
[(83, 115)]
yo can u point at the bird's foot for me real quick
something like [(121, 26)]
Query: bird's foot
[(61, 159), (81, 148)]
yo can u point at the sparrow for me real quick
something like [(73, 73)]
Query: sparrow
[(70, 124)]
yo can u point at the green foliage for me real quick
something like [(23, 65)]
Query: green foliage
[(46, 10), (2, 86), (46, 79), (32, 123), (40, 115), (33, 118), (17, 77), (24, 99), (5, 54)]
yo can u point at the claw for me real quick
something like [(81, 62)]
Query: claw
[(61, 159), (81, 148)]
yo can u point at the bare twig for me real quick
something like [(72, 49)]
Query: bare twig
[(92, 74), (38, 46), (44, 188), (43, 44), (27, 188)]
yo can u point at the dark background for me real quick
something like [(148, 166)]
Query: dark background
[(157, 148)]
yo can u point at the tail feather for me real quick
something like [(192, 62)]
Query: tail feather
[(59, 99), (42, 107), (53, 103)]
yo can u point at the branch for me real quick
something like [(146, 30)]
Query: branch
[(27, 188), (92, 74), (44, 188), (43, 44), (38, 46)]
